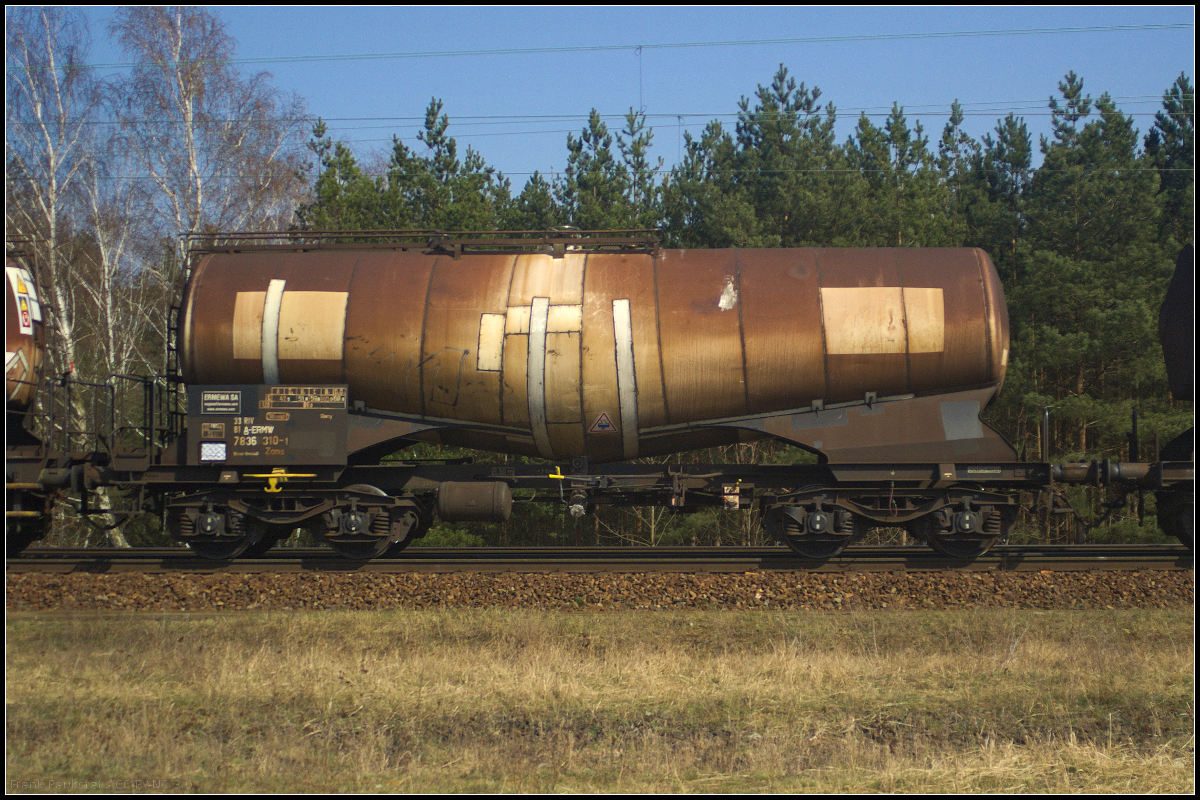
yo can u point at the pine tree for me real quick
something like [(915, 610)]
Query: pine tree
[(1171, 147), (448, 194), (788, 163), (1095, 272), (958, 153), (594, 188), (1004, 169), (906, 196), (643, 194), (534, 208), (343, 197), (704, 204), (433, 191)]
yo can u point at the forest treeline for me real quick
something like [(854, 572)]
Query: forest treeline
[(104, 176), (1085, 243)]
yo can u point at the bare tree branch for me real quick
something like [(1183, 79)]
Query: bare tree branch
[(49, 100)]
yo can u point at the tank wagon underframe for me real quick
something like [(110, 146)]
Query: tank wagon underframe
[(366, 511)]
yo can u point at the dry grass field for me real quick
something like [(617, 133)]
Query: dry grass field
[(522, 701)]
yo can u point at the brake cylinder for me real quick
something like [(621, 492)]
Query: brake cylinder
[(489, 501)]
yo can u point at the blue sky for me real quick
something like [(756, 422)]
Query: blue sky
[(682, 88)]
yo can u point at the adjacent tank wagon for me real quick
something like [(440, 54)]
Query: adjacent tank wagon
[(26, 502), (23, 336)]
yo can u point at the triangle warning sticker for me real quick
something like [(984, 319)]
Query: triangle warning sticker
[(603, 425)]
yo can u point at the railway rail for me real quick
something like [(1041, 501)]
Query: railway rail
[(1004, 558)]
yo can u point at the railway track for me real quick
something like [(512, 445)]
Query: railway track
[(1005, 558)]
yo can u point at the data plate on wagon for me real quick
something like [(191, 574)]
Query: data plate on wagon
[(266, 425)]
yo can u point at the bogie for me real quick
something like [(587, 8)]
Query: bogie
[(811, 525), (214, 531), (360, 528), (965, 530)]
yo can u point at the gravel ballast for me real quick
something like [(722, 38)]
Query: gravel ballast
[(582, 591)]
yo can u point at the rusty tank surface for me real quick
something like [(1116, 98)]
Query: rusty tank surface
[(23, 334), (868, 354)]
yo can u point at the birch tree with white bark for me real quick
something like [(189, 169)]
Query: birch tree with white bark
[(222, 152), (50, 101)]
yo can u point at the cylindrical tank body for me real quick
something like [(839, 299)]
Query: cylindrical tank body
[(23, 335), (583, 354)]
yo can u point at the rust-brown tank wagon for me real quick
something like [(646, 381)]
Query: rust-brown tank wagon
[(620, 355), (307, 363)]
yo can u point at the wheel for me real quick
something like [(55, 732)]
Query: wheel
[(1177, 513), (400, 523), (222, 549), (963, 537), (361, 549), (20, 535), (967, 548), (812, 532), (388, 531), (217, 535), (20, 532)]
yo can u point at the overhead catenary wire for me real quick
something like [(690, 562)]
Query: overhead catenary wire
[(505, 51), (1024, 107), (687, 121)]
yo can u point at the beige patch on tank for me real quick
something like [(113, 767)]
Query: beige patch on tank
[(925, 315), (560, 319), (535, 275), (312, 325), (565, 319), (562, 378), (247, 325), (517, 320), (875, 320), (490, 355)]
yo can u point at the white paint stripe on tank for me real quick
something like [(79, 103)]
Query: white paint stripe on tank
[(270, 331), (626, 378), (538, 317)]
